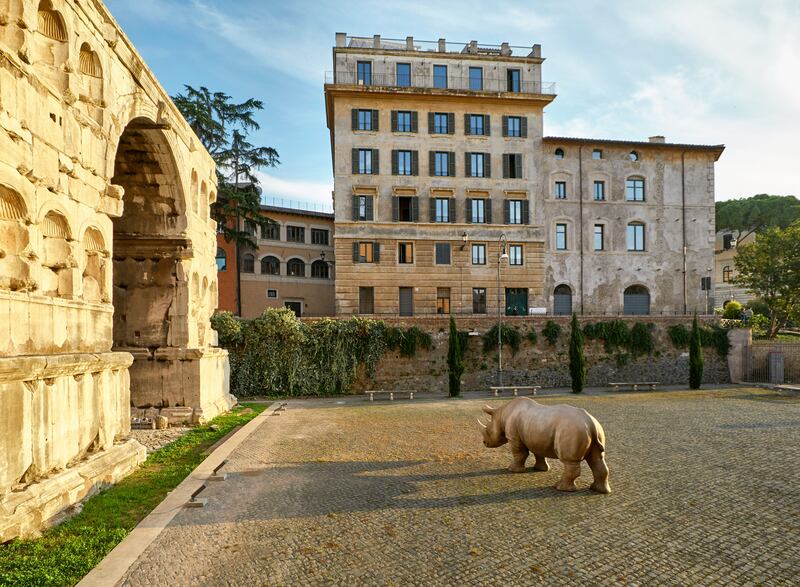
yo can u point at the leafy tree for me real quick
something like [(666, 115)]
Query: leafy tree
[(223, 126), (455, 362), (770, 269), (747, 215), (577, 362), (695, 357)]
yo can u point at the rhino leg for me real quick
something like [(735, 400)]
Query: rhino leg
[(519, 453), (541, 463), (599, 470), (572, 470)]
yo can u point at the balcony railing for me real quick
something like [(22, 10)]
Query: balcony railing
[(392, 80)]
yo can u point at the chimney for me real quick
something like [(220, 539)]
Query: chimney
[(658, 139), (442, 46), (341, 39), (505, 49), (376, 41), (409, 43), (536, 51)]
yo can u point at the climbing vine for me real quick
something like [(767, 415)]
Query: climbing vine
[(710, 336), (510, 334), (551, 331)]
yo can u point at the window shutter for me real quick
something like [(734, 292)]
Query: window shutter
[(487, 165), (430, 122), (354, 118), (355, 160), (451, 164), (375, 162), (432, 209), (394, 120), (518, 165), (523, 126), (505, 165), (452, 210), (394, 162), (370, 207), (467, 165), (466, 124), (355, 252), (506, 212), (375, 120), (355, 207), (468, 211), (414, 121), (415, 209), (487, 125), (414, 162), (505, 126), (395, 208), (525, 218), (432, 163), (487, 211), (376, 252), (451, 123)]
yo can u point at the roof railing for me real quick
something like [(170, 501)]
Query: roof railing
[(439, 46), (299, 205), (448, 82)]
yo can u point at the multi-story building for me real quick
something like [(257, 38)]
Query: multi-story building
[(725, 250), (292, 265), (449, 198)]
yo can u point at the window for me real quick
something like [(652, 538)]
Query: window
[(597, 154), (405, 209), (515, 255), (248, 263), (319, 269), (296, 268), (562, 300), (599, 190), (634, 156), (441, 123), (363, 209), (364, 252), (270, 266), (439, 76), (476, 124), (512, 165), (636, 300), (403, 75), (364, 164), (441, 164), (295, 234), (319, 236), (599, 237), (366, 120), (403, 121), (478, 300), (251, 228), (561, 190), (513, 79), (442, 210), (364, 73), (478, 208), (559, 153), (475, 78), (561, 237), (442, 253), (272, 293), (222, 259), (405, 253), (406, 301), (634, 189), (513, 126), (366, 300), (442, 300), (514, 211), (271, 231), (479, 254), (636, 236), (727, 274), (404, 163), (477, 164)]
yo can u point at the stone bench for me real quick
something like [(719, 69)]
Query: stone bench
[(391, 394), (635, 385), (515, 389)]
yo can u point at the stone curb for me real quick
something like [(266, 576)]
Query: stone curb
[(112, 569)]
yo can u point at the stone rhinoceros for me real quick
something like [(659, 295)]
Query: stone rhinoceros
[(561, 432)]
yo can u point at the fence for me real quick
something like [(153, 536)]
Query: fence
[(773, 363)]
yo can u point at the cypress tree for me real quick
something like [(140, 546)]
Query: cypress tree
[(577, 362), (695, 357), (455, 363)]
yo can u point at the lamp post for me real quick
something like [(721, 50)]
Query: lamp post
[(502, 255)]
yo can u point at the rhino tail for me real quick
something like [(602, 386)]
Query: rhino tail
[(598, 435)]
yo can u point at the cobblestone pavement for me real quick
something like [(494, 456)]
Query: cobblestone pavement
[(706, 492)]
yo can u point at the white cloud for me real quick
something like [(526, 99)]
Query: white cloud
[(295, 190)]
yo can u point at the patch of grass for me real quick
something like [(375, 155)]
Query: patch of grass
[(65, 553)]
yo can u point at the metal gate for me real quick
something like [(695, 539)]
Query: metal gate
[(773, 363), (636, 301), (406, 301)]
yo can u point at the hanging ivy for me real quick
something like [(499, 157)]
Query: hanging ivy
[(551, 332), (510, 334)]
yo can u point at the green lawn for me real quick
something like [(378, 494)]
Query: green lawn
[(64, 554), (780, 337)]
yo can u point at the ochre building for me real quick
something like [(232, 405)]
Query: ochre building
[(448, 197)]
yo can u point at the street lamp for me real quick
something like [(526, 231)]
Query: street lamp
[(502, 255)]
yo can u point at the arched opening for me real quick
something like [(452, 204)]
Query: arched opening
[(150, 283), (562, 300), (94, 267), (14, 238), (270, 266), (248, 263), (727, 273), (50, 47), (636, 301), (202, 201), (91, 82), (222, 259), (296, 268), (319, 269), (56, 258)]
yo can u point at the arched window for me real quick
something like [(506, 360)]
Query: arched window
[(636, 300), (562, 300), (222, 259), (296, 268), (319, 269), (634, 156), (727, 273), (248, 263), (636, 236), (559, 154), (270, 266)]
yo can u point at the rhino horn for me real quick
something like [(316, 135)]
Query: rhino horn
[(481, 423), (488, 409)]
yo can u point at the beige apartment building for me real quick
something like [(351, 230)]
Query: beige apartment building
[(725, 250), (449, 198)]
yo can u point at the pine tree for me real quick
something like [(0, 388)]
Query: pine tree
[(577, 362), (695, 357), (455, 363)]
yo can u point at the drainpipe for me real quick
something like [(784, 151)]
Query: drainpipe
[(683, 225), (580, 217)]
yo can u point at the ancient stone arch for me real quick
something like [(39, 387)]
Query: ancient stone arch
[(97, 244)]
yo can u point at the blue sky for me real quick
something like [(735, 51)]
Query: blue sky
[(700, 71)]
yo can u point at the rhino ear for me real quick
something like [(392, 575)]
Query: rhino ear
[(488, 409)]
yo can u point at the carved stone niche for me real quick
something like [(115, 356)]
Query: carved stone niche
[(15, 272), (58, 271), (95, 267)]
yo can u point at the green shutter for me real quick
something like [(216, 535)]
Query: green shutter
[(375, 120), (523, 126), (451, 164), (370, 208), (431, 163), (506, 212), (414, 122), (468, 211), (375, 162), (415, 209), (487, 210), (432, 209), (466, 124), (376, 251), (356, 257), (394, 120), (355, 161), (505, 126), (395, 208), (467, 165), (505, 165), (395, 166), (487, 125), (452, 210), (487, 165), (354, 118), (451, 123), (355, 207), (414, 162), (430, 122)]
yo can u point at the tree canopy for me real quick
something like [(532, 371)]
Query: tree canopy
[(747, 215)]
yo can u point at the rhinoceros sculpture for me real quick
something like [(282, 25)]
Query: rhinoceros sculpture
[(561, 432)]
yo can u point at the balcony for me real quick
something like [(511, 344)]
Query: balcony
[(431, 82)]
